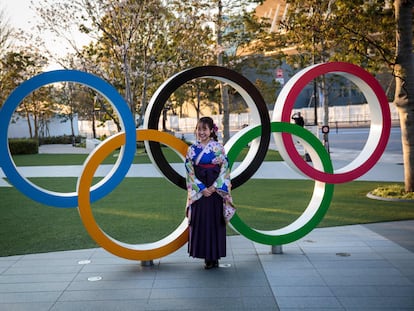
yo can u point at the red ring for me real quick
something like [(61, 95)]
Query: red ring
[(337, 67)]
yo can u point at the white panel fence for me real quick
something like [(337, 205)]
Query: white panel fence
[(354, 115)]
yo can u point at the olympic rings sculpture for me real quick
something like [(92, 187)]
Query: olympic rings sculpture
[(256, 134)]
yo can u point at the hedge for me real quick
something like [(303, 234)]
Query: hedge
[(23, 146), (65, 139)]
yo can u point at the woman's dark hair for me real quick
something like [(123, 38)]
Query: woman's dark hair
[(208, 122)]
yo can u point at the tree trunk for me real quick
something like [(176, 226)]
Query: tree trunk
[(198, 102), (325, 111), (223, 88), (72, 129), (128, 92), (93, 118), (226, 113), (144, 92), (404, 90), (36, 126), (29, 124)]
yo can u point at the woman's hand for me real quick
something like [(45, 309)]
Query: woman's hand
[(212, 189), (208, 191)]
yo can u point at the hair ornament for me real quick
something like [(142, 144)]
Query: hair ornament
[(215, 128)]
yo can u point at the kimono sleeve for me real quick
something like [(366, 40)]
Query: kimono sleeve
[(222, 183), (194, 185)]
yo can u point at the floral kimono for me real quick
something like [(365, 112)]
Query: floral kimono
[(211, 154), (207, 166)]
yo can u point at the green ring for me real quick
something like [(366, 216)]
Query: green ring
[(266, 237)]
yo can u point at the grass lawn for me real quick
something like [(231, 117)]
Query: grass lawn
[(141, 157), (142, 210)]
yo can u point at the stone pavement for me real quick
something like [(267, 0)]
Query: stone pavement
[(358, 267), (389, 167), (340, 268)]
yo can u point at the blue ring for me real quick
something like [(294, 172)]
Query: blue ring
[(109, 92)]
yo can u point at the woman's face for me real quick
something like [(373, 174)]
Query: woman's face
[(203, 133)]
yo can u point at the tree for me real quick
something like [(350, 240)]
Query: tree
[(358, 32), (113, 27), (68, 102), (135, 44), (6, 33), (227, 13), (16, 67), (404, 90)]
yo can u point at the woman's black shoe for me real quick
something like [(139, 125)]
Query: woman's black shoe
[(216, 263), (208, 264)]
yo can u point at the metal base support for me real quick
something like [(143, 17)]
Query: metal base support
[(147, 263), (277, 249)]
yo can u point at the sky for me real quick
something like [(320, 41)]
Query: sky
[(18, 12), (20, 15)]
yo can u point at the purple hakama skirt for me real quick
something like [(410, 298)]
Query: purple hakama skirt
[(207, 238)]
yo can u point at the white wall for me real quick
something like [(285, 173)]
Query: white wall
[(19, 128), (342, 114)]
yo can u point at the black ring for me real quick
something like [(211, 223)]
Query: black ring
[(161, 96)]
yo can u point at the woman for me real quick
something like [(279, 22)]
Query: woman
[(208, 185)]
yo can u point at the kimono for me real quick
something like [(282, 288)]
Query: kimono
[(205, 166)]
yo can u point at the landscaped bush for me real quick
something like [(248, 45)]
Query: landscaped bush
[(65, 139), (23, 146)]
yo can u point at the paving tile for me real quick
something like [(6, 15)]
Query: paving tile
[(305, 303), (105, 294), (297, 281), (28, 297), (353, 264), (33, 287), (355, 291), (259, 304), (256, 291), (190, 303), (33, 278), (377, 303), (302, 291), (32, 306), (362, 280), (403, 263), (27, 269), (108, 285), (396, 291), (106, 305), (357, 272), (343, 255), (293, 273), (206, 292)]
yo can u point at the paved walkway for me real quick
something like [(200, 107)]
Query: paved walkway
[(341, 268), (389, 167), (358, 267)]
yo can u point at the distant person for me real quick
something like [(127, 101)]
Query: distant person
[(208, 186), (297, 117)]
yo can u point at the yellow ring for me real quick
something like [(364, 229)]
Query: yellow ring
[(146, 251)]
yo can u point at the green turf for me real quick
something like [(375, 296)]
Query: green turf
[(142, 210), (140, 157)]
